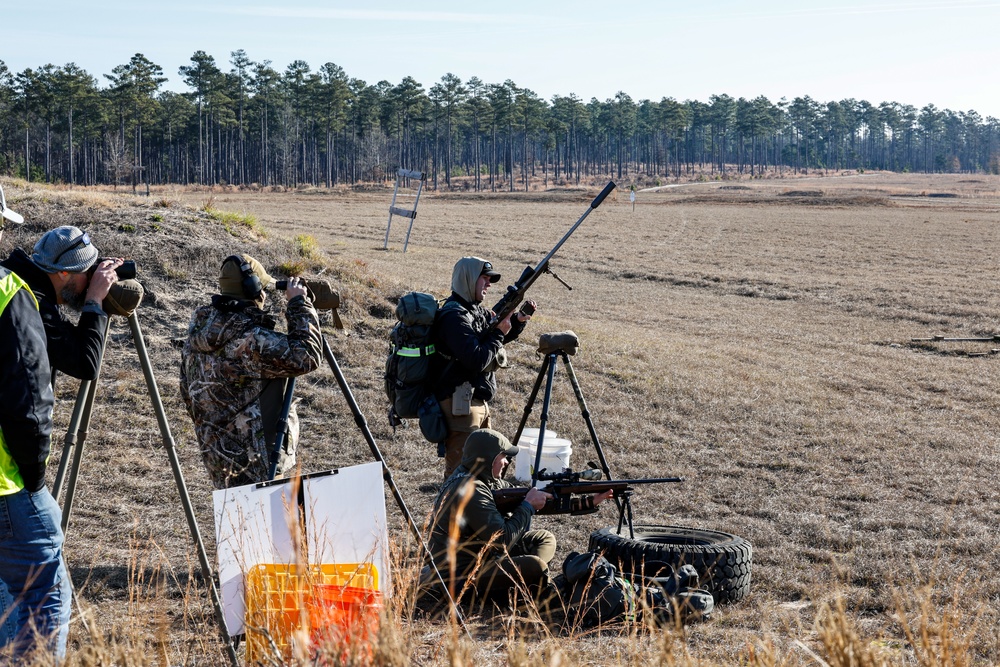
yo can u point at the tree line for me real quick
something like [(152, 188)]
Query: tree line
[(256, 125)]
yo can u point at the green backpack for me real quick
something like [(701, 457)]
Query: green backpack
[(408, 365)]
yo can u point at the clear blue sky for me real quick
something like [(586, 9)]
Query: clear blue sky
[(910, 51)]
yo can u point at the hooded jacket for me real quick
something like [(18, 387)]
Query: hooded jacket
[(228, 364), (26, 390), (72, 349), (467, 346), (483, 531)]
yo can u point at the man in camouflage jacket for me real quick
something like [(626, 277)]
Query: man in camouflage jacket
[(233, 372)]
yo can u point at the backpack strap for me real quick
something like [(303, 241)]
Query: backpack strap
[(415, 352)]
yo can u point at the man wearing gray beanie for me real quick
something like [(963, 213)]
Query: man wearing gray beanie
[(59, 272)]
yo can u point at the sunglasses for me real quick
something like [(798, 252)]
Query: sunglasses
[(83, 240)]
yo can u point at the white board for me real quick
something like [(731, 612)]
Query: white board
[(251, 527), (345, 523)]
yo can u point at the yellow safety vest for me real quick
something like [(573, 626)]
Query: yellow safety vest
[(10, 477)]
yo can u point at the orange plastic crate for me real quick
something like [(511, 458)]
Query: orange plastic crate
[(279, 598), (344, 616)]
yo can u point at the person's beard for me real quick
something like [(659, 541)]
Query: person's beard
[(74, 300)]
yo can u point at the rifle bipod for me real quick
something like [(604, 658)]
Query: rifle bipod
[(74, 442), (547, 371)]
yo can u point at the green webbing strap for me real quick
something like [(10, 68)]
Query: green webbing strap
[(414, 352)]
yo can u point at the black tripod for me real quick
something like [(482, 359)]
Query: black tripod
[(547, 372), (74, 442)]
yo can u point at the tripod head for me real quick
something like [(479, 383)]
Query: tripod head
[(123, 298)]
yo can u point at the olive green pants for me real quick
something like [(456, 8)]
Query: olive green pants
[(524, 569)]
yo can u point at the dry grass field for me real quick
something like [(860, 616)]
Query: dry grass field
[(751, 336)]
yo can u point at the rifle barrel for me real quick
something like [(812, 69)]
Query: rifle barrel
[(594, 204)]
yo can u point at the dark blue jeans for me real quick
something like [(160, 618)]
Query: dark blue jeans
[(31, 566)]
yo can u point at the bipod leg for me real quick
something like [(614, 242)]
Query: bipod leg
[(359, 419), (70, 441), (280, 428), (175, 466), (80, 438), (625, 512), (586, 418), (551, 361), (531, 399)]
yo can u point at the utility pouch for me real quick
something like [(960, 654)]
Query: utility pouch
[(461, 400), (433, 426)]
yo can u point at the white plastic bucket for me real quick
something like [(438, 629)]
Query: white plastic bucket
[(530, 435), (526, 450), (556, 453)]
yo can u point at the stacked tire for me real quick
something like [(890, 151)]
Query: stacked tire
[(723, 561)]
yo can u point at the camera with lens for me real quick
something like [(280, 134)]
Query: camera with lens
[(124, 272)]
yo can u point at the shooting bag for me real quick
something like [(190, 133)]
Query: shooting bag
[(565, 341), (408, 365)]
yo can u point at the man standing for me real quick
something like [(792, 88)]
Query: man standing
[(58, 272), (31, 563), (234, 368), (470, 351)]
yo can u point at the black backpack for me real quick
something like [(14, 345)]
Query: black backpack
[(593, 592), (411, 348)]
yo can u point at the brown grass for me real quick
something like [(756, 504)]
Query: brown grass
[(756, 343)]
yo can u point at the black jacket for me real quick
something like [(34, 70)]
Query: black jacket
[(25, 388), (467, 347), (74, 350)]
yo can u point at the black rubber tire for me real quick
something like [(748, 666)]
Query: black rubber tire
[(723, 561)]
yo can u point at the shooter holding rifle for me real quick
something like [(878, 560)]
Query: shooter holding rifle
[(470, 341)]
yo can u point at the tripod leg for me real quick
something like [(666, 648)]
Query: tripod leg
[(70, 441), (74, 472), (78, 433), (586, 415), (531, 400), (362, 423), (590, 427), (280, 428), (551, 361), (175, 466)]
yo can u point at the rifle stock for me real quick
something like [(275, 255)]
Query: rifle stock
[(573, 498), (515, 293)]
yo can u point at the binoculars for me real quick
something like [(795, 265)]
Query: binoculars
[(320, 293)]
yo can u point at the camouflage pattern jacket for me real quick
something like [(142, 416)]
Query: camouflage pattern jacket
[(229, 365)]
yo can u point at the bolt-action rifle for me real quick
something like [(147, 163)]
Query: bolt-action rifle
[(515, 293), (572, 492)]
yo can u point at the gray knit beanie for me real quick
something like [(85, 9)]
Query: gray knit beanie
[(64, 249)]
